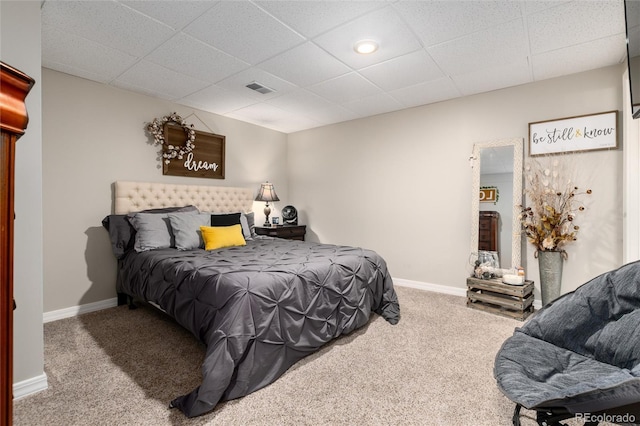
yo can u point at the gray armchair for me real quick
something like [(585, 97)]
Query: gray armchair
[(579, 355)]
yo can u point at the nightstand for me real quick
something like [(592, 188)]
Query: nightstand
[(290, 232)]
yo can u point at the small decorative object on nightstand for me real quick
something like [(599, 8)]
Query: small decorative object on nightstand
[(289, 215), (290, 232), (267, 193)]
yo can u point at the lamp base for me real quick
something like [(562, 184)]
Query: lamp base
[(267, 212)]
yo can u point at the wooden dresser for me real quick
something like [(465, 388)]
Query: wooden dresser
[(14, 87), (488, 232)]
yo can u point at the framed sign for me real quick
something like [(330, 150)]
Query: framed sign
[(580, 133), (488, 194), (205, 160)]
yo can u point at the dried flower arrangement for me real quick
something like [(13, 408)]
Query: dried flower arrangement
[(156, 128), (554, 201)]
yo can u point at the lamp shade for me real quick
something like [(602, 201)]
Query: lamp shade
[(267, 193)]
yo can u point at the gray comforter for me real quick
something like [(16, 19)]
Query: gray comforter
[(259, 308)]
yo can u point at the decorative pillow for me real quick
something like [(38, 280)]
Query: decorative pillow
[(153, 231), (122, 233), (186, 229), (226, 219), (216, 237), (248, 225)]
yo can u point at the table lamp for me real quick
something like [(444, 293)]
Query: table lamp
[(267, 193)]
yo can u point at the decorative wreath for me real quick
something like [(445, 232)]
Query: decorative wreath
[(156, 128)]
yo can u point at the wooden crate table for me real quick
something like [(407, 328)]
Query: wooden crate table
[(513, 301)]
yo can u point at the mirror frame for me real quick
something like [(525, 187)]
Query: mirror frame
[(518, 159)]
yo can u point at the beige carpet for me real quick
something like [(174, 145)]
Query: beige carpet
[(122, 367)]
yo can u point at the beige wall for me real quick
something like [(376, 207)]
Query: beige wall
[(94, 135), (20, 48), (399, 183)]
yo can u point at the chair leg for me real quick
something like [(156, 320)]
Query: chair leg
[(516, 415), (553, 417)]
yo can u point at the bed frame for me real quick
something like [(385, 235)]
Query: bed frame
[(132, 197), (135, 196)]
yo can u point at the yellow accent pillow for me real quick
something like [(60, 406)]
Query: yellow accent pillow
[(216, 237)]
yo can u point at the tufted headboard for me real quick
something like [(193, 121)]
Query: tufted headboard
[(136, 196)]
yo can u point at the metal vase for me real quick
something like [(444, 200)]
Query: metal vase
[(550, 265)]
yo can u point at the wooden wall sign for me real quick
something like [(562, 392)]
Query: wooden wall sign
[(488, 195), (206, 160), (580, 133)]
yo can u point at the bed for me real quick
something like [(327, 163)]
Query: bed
[(259, 305)]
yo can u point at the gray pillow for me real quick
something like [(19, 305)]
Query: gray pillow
[(153, 231), (122, 233), (248, 225), (186, 229)]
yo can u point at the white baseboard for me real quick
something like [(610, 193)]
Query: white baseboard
[(438, 288), (30, 386), (78, 310)]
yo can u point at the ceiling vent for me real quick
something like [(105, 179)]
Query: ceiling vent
[(260, 88)]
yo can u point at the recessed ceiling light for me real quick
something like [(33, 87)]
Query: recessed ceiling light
[(365, 47)]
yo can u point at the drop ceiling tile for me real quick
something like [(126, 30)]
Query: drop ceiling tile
[(503, 44), (534, 6), (301, 100), (108, 23), (217, 100), (63, 52), (273, 117), (169, 13), (311, 18), (238, 83), (185, 54), (373, 105), (579, 58), (158, 81), (77, 72), (439, 21), (383, 26), (426, 93), (335, 113), (348, 87), (305, 65), (567, 25), (488, 79), (405, 70), (243, 30)]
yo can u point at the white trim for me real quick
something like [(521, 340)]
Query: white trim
[(445, 289), (79, 310), (437, 288), (30, 386)]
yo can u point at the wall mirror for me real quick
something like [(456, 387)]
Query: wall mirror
[(497, 170)]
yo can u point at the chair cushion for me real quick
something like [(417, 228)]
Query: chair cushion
[(600, 319), (538, 374), (581, 352)]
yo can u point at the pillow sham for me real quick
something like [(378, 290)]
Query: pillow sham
[(248, 223), (186, 229), (122, 233), (226, 219), (216, 237), (153, 231)]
